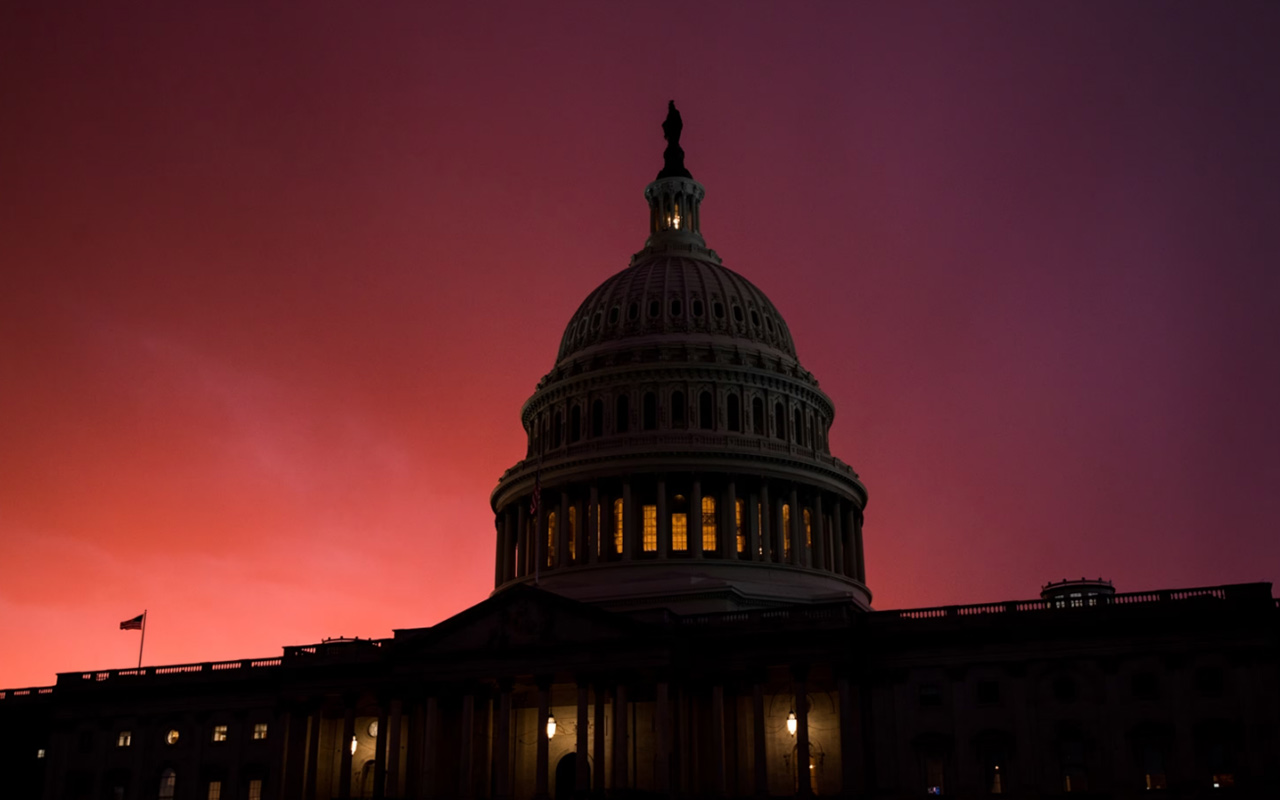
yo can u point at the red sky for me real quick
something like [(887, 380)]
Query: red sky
[(276, 282)]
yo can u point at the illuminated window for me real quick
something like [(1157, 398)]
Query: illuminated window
[(168, 780), (650, 530), (617, 525), (259, 730), (551, 537), (215, 790), (171, 737), (680, 531), (573, 532), (40, 753), (255, 789), (737, 525), (786, 531), (124, 739), (760, 528), (709, 524), (219, 733), (808, 529)]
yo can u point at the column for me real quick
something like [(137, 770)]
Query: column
[(717, 739), (766, 526), (729, 513), (850, 547), (380, 753), (502, 741), (837, 540), (753, 527), (819, 535), (393, 748), (620, 770), (597, 743), (628, 523), (500, 555), (583, 777), (344, 748), (695, 519), (540, 731), (662, 738), (847, 753), (522, 534), (292, 751), (759, 756), (593, 526), (562, 532), (509, 555), (313, 756), (466, 746), (803, 778), (857, 544), (797, 530), (664, 521), (430, 743)]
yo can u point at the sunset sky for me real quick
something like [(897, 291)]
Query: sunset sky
[(278, 277)]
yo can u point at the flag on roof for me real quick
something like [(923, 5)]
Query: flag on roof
[(134, 624)]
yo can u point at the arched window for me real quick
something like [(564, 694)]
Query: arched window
[(617, 525), (706, 412), (786, 532), (649, 532), (677, 409), (557, 430), (757, 416), (575, 423), (649, 411), (779, 421), (622, 414), (798, 433), (709, 524), (551, 538), (597, 418), (168, 782), (572, 531), (735, 413)]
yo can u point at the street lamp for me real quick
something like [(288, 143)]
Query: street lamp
[(791, 723), (551, 726)]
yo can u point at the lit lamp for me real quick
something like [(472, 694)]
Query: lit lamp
[(791, 723), (551, 726), (353, 745)]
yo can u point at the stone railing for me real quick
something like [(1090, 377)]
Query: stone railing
[(31, 691)]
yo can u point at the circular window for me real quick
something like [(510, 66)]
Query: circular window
[(655, 308), (755, 319), (737, 313), (613, 316), (718, 310), (373, 729), (696, 308), (675, 308), (171, 737), (633, 312)]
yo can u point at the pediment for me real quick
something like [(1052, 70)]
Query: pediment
[(522, 618)]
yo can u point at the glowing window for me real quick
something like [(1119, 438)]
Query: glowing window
[(219, 733), (573, 532), (255, 789), (708, 523), (808, 529), (259, 730), (760, 528), (650, 530), (215, 790), (171, 737), (680, 531), (786, 531), (551, 537), (40, 753), (737, 525), (168, 780), (617, 525), (124, 739)]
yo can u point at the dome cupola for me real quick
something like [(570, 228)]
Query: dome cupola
[(677, 450)]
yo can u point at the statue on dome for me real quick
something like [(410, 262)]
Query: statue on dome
[(673, 156)]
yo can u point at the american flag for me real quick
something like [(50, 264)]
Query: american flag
[(134, 624)]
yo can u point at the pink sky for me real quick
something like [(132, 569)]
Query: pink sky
[(276, 283)]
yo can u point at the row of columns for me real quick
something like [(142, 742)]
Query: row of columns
[(834, 526), (425, 770)]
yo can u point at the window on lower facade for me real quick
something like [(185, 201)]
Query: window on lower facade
[(808, 529), (650, 529), (738, 505), (680, 531), (572, 531), (709, 532), (260, 730), (124, 738), (255, 789), (168, 782), (617, 526), (551, 537), (215, 791), (786, 531), (219, 733)]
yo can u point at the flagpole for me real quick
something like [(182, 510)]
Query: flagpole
[(142, 640)]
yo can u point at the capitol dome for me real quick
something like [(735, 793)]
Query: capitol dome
[(677, 452)]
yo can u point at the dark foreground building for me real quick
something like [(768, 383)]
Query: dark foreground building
[(683, 612)]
